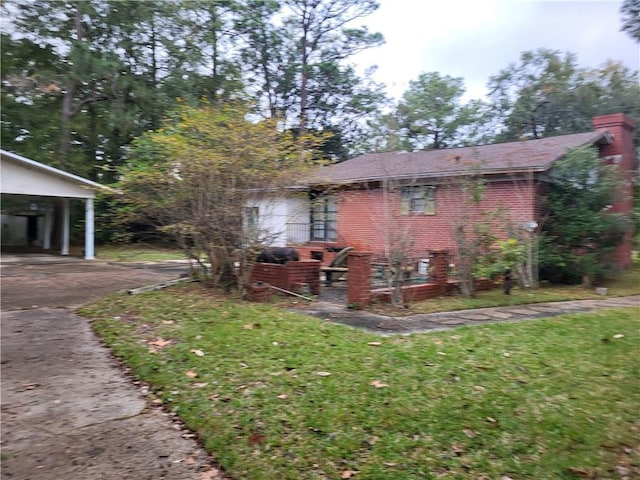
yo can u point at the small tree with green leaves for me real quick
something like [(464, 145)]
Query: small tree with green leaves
[(580, 232), (473, 228), (194, 177)]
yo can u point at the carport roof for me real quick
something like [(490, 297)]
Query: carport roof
[(82, 187)]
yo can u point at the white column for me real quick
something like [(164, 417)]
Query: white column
[(48, 224), (65, 227), (88, 230)]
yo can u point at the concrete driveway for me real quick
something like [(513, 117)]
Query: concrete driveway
[(68, 409)]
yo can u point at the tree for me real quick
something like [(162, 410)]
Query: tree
[(194, 177), (431, 115), (323, 37), (298, 71), (547, 94), (580, 232), (630, 11), (534, 98), (30, 112), (612, 88), (473, 228), (119, 66)]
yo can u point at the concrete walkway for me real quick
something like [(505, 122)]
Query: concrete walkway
[(68, 409), (385, 325)]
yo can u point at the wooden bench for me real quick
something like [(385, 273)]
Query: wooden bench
[(337, 267)]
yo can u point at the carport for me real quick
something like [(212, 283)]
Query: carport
[(32, 223)]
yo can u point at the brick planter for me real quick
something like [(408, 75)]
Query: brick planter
[(259, 292), (290, 276)]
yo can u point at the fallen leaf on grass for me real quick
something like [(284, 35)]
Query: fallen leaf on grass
[(457, 449), (618, 335), (348, 473), (191, 374), (378, 384), (389, 464), (506, 354), (282, 396), (482, 367), (248, 326), (581, 472), (323, 374), (210, 474), (160, 342), (168, 322), (438, 341), (491, 420), (256, 438), (199, 385), (374, 344), (199, 353), (623, 471), (469, 432)]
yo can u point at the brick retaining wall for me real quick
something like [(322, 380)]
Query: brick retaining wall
[(289, 275)]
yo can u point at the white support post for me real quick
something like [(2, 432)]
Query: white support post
[(89, 230), (48, 224), (66, 224)]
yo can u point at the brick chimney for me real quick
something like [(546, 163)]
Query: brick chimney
[(620, 152)]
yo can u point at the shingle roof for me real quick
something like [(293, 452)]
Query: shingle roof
[(528, 155)]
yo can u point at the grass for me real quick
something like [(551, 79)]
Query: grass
[(547, 399), (137, 253), (627, 283)]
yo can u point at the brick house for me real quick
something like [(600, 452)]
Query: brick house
[(366, 200)]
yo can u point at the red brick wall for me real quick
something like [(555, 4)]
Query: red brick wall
[(305, 271), (621, 127), (270, 273), (424, 291), (285, 276), (359, 278), (367, 219)]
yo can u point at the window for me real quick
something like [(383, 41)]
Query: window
[(421, 199), (251, 218), (324, 219)]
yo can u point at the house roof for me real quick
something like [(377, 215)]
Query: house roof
[(15, 183), (528, 155)]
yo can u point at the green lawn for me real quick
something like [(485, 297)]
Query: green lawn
[(277, 395), (137, 253), (627, 283)]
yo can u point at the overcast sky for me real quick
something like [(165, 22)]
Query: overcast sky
[(475, 39)]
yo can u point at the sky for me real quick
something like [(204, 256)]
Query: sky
[(475, 39)]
